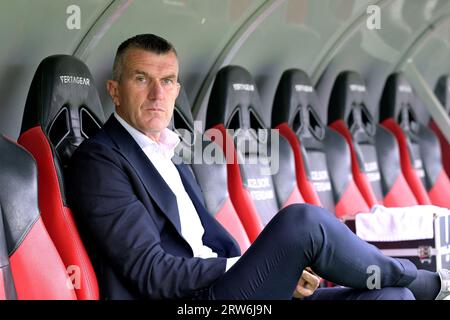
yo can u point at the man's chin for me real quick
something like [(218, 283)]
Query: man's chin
[(156, 126)]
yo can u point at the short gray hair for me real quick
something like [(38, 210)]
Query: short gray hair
[(148, 42)]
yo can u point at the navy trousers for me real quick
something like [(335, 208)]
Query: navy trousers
[(303, 235)]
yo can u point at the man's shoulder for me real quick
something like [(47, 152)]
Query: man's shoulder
[(92, 143), (99, 143), (106, 137), (90, 160), (101, 137)]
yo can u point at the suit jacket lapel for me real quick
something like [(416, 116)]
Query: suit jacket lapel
[(155, 185)]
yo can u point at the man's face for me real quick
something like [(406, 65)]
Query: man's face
[(146, 91)]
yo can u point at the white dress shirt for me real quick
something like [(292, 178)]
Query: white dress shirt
[(160, 154)]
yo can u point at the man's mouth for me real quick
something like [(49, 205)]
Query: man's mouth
[(154, 109)]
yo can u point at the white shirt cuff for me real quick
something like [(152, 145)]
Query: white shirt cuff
[(231, 262)]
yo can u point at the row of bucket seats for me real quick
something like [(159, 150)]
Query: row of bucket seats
[(346, 167)]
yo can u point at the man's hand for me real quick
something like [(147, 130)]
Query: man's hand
[(307, 284)]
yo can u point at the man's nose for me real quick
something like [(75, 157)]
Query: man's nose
[(156, 90)]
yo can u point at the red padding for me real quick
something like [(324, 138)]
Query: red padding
[(38, 270), (294, 197), (58, 219), (2, 286), (408, 170), (240, 197), (351, 202), (400, 194), (361, 180), (229, 219), (306, 186), (445, 147), (439, 194)]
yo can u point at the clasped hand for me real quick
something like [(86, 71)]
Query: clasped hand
[(307, 284)]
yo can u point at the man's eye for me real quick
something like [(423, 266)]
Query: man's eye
[(140, 79), (167, 82)]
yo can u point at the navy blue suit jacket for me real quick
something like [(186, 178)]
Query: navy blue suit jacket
[(129, 219)]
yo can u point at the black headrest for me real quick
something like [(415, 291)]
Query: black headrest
[(397, 95), (182, 121), (398, 102), (64, 101), (294, 90), (295, 103), (348, 103), (182, 115), (234, 100), (442, 91), (349, 90)]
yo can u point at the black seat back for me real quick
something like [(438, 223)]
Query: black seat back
[(399, 103), (235, 105), (419, 146), (348, 104), (7, 289), (325, 154), (442, 91)]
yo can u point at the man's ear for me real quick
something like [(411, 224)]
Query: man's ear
[(113, 89), (178, 89)]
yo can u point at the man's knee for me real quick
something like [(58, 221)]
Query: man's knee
[(297, 223), (302, 214), (393, 293)]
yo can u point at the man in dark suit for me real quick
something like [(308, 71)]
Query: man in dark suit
[(148, 231)]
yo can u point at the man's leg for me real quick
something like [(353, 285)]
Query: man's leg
[(303, 235), (338, 293)]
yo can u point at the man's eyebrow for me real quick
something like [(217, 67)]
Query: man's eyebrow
[(140, 72), (169, 76)]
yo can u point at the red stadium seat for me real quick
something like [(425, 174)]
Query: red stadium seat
[(258, 186), (419, 147), (374, 150), (36, 270), (442, 91), (7, 290), (62, 109), (323, 161)]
